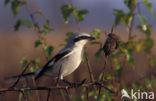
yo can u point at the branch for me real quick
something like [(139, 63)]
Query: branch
[(19, 77), (35, 27), (101, 84)]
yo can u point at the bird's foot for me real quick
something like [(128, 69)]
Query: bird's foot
[(74, 84)]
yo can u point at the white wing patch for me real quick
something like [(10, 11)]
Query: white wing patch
[(51, 63)]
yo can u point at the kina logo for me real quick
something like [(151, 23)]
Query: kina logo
[(138, 95)]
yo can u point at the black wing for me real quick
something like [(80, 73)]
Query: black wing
[(54, 60)]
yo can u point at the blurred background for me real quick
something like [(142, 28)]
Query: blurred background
[(15, 45)]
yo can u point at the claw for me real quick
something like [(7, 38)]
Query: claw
[(74, 84)]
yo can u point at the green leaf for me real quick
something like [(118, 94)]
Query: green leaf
[(148, 44), (128, 51), (37, 43), (66, 12), (131, 4), (47, 27), (35, 65), (151, 61), (96, 33), (15, 6), (100, 76), (140, 45), (48, 50), (118, 68), (20, 22), (144, 27), (136, 85), (24, 62), (79, 14), (142, 19), (148, 83), (20, 96), (41, 14), (119, 14), (6, 2), (148, 4)]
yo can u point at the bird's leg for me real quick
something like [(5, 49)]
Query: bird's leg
[(74, 84), (59, 75)]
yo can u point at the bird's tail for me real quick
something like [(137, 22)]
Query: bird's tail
[(26, 75)]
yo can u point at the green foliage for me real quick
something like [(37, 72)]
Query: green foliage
[(148, 44), (96, 33), (66, 12), (20, 22), (37, 43), (80, 98), (144, 27), (79, 14), (47, 27), (137, 85), (20, 96), (41, 14), (118, 16), (24, 62), (131, 4), (125, 51), (118, 68), (148, 4), (148, 83), (121, 16), (128, 49), (151, 61), (15, 6), (6, 2), (35, 65), (48, 50)]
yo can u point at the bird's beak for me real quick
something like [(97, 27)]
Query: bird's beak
[(91, 38)]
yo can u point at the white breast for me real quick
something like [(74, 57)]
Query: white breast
[(72, 62), (68, 64)]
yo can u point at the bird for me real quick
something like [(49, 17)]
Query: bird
[(111, 44), (66, 61)]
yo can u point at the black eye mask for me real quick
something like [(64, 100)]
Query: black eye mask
[(83, 37)]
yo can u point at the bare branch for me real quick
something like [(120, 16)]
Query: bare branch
[(88, 84)]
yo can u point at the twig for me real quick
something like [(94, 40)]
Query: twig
[(130, 29), (37, 93), (48, 95), (87, 93), (88, 64), (35, 27), (25, 99), (76, 20), (88, 84), (89, 68), (19, 77), (112, 29), (67, 92)]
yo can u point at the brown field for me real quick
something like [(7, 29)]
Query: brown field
[(14, 46)]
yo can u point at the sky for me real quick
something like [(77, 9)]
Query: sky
[(100, 13)]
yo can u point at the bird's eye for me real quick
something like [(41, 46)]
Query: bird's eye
[(80, 38)]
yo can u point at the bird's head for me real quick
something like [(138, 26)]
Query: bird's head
[(79, 39)]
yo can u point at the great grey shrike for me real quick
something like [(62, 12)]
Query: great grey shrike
[(66, 60)]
